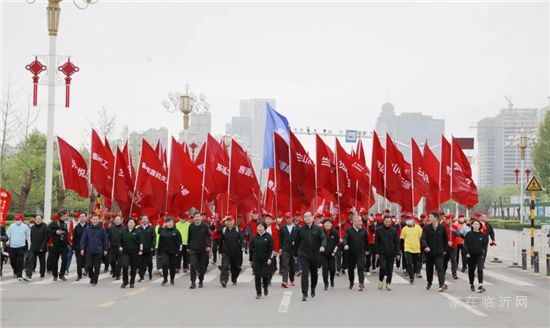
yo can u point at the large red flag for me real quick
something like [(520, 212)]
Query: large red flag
[(378, 166), (363, 176), (431, 166), (421, 179), (282, 178), (216, 169), (303, 171), (445, 171), (184, 182), (269, 201), (326, 170), (110, 157), (346, 186), (128, 159), (101, 167), (398, 177), (464, 190), (123, 185), (73, 168), (150, 192), (244, 189)]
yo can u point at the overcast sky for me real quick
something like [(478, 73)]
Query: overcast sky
[(328, 65)]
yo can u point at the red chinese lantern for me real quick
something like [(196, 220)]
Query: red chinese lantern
[(36, 67), (516, 171), (68, 69), (527, 172)]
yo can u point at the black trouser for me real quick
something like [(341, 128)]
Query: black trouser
[(93, 262), (54, 261), (309, 266), (105, 260), (230, 263), (17, 256), (183, 255), (328, 265), (198, 261), (461, 253), (31, 263), (386, 268), (450, 255), (436, 261), (145, 263), (80, 263), (473, 262), (169, 263), (370, 259), (215, 243), (413, 260), (115, 260), (272, 268), (339, 260), (128, 260), (354, 260), (261, 275), (288, 266)]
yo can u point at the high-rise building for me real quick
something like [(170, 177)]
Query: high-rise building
[(200, 124), (498, 144), (406, 125), (152, 136)]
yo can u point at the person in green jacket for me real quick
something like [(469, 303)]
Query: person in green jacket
[(183, 227)]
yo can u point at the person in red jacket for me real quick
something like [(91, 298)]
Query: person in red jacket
[(273, 230), (215, 228), (450, 254)]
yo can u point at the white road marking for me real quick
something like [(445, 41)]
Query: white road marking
[(285, 302), (458, 303), (397, 279), (106, 304), (507, 279), (464, 277)]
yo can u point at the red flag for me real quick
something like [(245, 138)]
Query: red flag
[(326, 170), (184, 182), (110, 157), (464, 190), (303, 171), (421, 178), (431, 166), (150, 193), (243, 185), (123, 186), (445, 171), (73, 168), (362, 174), (128, 159), (282, 176), (346, 187), (398, 177), (269, 202), (216, 169), (5, 201), (378, 165), (101, 167)]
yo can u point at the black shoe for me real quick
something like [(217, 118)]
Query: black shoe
[(304, 298), (54, 278), (313, 293), (326, 286), (78, 278), (193, 286), (428, 286), (172, 282), (63, 278), (123, 285), (258, 296), (131, 285), (332, 284), (164, 282), (266, 292), (105, 270), (200, 284), (351, 285), (150, 276), (224, 284), (117, 278), (411, 282), (455, 277), (41, 276), (472, 288), (94, 284), (480, 289), (140, 279)]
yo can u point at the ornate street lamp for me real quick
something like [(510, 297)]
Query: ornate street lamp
[(186, 104)]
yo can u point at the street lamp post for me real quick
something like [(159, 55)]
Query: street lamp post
[(522, 147), (186, 104)]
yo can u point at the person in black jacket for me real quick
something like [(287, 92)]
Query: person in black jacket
[(148, 240), (328, 257), (387, 246), (310, 242), (94, 245), (77, 237), (39, 240), (199, 242), (115, 256), (169, 246), (287, 238), (231, 249), (434, 242), (356, 246), (3, 239), (129, 248), (475, 246), (260, 253), (60, 244)]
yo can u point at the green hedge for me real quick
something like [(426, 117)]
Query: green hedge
[(511, 225)]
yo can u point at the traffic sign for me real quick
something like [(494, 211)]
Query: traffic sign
[(351, 135), (533, 185)]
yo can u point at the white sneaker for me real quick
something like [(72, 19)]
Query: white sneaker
[(27, 278)]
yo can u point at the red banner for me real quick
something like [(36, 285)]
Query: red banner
[(445, 171), (303, 171), (5, 201), (101, 166), (244, 189), (464, 190), (431, 165), (123, 186), (378, 166), (326, 170), (73, 168)]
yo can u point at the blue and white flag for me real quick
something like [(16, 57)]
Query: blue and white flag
[(274, 122)]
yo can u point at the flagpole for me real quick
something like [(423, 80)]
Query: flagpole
[(168, 181), (440, 172), (276, 197), (137, 176), (338, 188), (114, 178), (229, 179), (385, 171), (315, 200), (290, 172), (413, 173), (204, 171), (452, 170)]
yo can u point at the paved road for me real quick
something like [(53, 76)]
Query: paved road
[(513, 299)]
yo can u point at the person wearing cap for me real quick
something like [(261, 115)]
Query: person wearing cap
[(475, 246), (450, 252), (460, 253), (328, 256), (310, 242), (77, 237), (260, 254), (434, 241), (231, 251), (60, 244), (410, 238), (200, 242), (273, 230), (19, 235), (148, 240), (386, 242), (215, 228), (169, 246), (287, 238), (94, 245), (183, 227), (114, 235), (129, 249), (371, 232)]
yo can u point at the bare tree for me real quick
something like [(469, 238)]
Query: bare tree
[(7, 125), (27, 120), (106, 125)]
